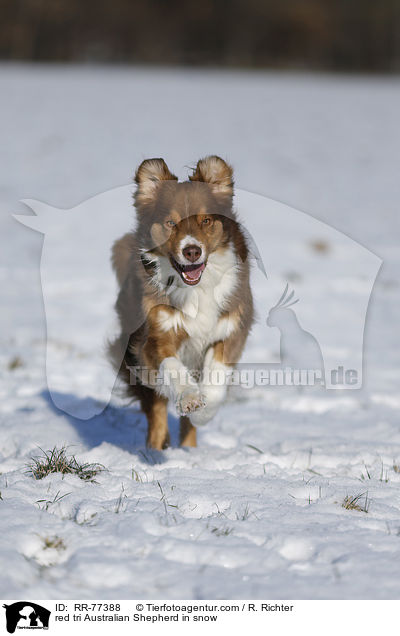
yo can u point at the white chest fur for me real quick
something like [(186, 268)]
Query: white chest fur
[(198, 309)]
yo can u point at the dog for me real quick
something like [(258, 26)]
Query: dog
[(185, 306)]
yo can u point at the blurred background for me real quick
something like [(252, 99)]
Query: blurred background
[(353, 35)]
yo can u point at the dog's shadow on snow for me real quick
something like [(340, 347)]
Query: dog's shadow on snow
[(125, 427)]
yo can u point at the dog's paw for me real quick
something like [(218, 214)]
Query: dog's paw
[(201, 417), (189, 401)]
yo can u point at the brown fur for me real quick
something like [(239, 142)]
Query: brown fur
[(201, 208)]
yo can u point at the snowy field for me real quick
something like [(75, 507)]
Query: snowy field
[(255, 511)]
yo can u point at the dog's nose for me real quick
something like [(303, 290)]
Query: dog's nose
[(192, 252)]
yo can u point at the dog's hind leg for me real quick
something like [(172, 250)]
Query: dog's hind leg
[(155, 408), (187, 436)]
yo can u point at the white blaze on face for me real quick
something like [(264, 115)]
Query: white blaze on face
[(190, 240), (190, 271)]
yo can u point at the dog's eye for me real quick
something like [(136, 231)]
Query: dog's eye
[(206, 221), (170, 223)]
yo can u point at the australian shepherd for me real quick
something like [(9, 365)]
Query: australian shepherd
[(185, 306)]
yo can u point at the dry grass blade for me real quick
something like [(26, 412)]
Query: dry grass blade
[(354, 503), (255, 448), (57, 461)]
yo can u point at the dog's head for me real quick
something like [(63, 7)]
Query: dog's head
[(182, 224)]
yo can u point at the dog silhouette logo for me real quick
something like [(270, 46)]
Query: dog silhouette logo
[(79, 290), (26, 615)]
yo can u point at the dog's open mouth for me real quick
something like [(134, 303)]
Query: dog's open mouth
[(190, 274)]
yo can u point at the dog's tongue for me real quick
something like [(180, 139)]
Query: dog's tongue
[(193, 274)]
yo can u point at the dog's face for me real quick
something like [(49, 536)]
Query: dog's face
[(185, 222)]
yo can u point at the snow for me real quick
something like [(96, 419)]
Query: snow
[(255, 511)]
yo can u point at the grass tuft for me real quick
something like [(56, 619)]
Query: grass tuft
[(55, 543), (15, 363), (119, 507), (368, 474), (354, 503), (221, 532), (136, 476), (245, 514), (383, 476), (46, 503), (57, 461)]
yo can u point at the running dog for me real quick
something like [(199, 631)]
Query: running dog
[(185, 306)]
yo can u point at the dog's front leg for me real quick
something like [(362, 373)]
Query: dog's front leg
[(213, 386), (159, 354), (218, 367), (176, 384)]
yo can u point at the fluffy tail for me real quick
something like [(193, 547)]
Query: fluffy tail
[(122, 251)]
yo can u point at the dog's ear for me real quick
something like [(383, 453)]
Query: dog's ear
[(148, 177), (217, 173)]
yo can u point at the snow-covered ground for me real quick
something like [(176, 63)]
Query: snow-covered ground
[(255, 511)]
